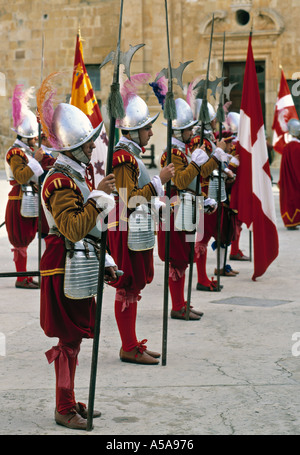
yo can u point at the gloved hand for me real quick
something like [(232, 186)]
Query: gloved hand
[(109, 262), (221, 155), (210, 205), (235, 160), (199, 157)]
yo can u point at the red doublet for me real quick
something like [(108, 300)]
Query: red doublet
[(69, 320), (136, 265), (21, 231), (60, 316), (179, 246), (289, 184)]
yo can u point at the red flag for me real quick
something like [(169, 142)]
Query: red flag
[(84, 98), (83, 95), (284, 111), (252, 193)]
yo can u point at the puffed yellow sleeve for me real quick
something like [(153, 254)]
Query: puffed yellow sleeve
[(73, 218)]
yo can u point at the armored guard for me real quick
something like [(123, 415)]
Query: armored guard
[(210, 189), (188, 165), (131, 228), (24, 165), (69, 265)]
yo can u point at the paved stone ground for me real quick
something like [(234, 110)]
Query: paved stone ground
[(235, 372)]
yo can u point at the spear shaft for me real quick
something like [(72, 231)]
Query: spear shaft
[(103, 247), (219, 213), (168, 196)]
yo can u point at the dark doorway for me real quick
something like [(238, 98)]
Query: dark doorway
[(234, 73)]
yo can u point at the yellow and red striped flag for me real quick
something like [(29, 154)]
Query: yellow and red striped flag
[(84, 98)]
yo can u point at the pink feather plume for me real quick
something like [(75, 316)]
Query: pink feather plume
[(17, 105), (130, 86), (20, 103), (45, 102), (191, 95)]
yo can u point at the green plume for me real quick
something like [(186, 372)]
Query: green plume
[(115, 103)]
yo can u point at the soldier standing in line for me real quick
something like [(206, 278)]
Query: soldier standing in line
[(132, 248), (24, 165)]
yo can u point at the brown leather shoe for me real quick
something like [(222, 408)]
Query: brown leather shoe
[(135, 356), (197, 312), (82, 410), (181, 315), (239, 257), (228, 272), (26, 284), (154, 354), (71, 420)]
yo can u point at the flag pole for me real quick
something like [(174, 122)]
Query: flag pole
[(113, 116)]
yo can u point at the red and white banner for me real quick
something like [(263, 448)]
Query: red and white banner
[(284, 111), (252, 193)]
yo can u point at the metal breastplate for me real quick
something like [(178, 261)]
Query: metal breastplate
[(213, 187), (30, 202), (214, 178), (81, 269), (185, 219), (141, 227), (82, 257)]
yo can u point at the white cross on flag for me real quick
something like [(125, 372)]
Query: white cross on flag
[(252, 193), (284, 111)]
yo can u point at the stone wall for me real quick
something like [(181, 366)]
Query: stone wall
[(25, 22)]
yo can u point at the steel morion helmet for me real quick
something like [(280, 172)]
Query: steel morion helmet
[(136, 115), (294, 127), (184, 118), (184, 115), (72, 129), (211, 112), (28, 127), (24, 121), (233, 121)]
